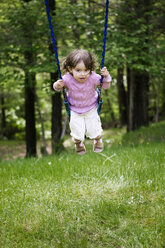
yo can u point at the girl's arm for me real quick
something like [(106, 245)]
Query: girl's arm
[(104, 72), (106, 78), (58, 85)]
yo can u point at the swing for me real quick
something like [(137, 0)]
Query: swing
[(100, 101)]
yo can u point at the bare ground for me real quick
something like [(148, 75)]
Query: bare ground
[(17, 149)]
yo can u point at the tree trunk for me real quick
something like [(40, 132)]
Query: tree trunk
[(163, 101), (30, 114), (29, 91), (137, 99), (130, 97), (138, 80), (122, 99), (56, 120), (3, 110), (157, 101), (110, 109), (43, 147)]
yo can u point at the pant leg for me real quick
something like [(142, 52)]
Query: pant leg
[(77, 126), (93, 124)]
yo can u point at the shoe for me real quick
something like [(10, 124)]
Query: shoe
[(79, 147), (98, 144)]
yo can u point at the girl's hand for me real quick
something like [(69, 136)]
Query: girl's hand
[(104, 72), (58, 85)]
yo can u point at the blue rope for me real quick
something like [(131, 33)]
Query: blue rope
[(105, 36), (100, 101), (53, 38), (56, 56)]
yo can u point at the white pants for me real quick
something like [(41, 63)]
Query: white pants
[(87, 124)]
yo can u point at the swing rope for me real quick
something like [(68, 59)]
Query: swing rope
[(100, 101), (56, 56)]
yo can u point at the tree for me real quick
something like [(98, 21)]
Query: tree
[(56, 98), (3, 110), (134, 19), (29, 57), (20, 53), (122, 97)]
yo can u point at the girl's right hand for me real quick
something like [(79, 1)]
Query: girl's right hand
[(58, 85)]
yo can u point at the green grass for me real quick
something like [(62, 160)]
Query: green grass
[(114, 199)]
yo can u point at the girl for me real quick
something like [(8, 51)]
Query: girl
[(81, 81)]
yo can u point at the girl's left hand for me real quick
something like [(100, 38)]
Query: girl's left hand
[(104, 72)]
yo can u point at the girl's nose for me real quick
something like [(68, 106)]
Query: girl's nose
[(84, 73)]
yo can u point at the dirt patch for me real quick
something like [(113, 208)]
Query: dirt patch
[(17, 149), (14, 150)]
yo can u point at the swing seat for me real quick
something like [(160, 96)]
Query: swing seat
[(100, 102), (67, 107)]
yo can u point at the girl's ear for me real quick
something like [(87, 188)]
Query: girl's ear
[(69, 69)]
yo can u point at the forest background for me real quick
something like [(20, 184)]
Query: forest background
[(135, 52)]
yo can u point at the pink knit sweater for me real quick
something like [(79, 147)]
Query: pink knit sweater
[(83, 97)]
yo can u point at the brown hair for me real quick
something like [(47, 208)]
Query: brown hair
[(77, 56)]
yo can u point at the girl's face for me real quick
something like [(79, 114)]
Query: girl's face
[(80, 73)]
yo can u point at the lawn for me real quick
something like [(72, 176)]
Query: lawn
[(114, 199)]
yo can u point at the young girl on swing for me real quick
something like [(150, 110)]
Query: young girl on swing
[(81, 82)]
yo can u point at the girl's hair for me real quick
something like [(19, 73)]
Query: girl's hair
[(77, 56)]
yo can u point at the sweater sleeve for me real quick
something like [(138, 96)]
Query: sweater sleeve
[(65, 80), (106, 82)]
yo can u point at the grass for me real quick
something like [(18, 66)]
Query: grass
[(114, 199)]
